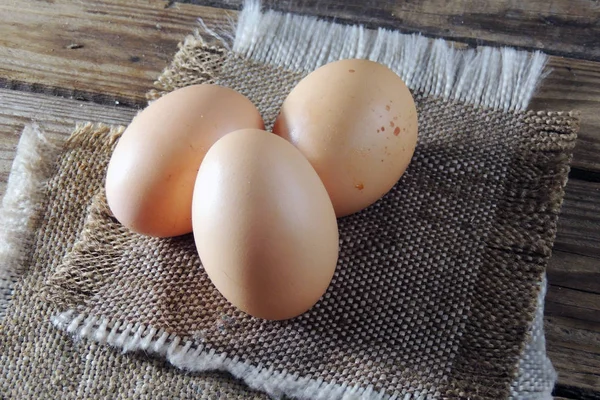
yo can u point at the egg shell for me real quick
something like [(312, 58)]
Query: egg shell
[(151, 174), (264, 226), (356, 122)]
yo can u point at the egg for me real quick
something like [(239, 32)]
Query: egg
[(264, 226), (356, 122), (151, 174)]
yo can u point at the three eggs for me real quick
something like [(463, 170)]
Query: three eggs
[(263, 206)]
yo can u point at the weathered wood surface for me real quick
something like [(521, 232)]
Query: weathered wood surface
[(110, 51), (102, 51), (575, 85)]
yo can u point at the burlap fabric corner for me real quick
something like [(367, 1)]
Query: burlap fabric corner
[(439, 288)]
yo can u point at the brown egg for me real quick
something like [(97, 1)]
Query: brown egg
[(356, 122), (151, 175), (264, 226)]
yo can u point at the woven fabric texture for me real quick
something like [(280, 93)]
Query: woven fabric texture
[(37, 361), (436, 286)]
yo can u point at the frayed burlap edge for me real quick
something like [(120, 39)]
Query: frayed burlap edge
[(25, 196), (184, 355), (550, 192), (497, 77), (22, 202), (89, 134), (500, 78), (182, 73)]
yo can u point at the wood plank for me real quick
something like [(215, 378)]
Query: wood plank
[(575, 85), (572, 314), (579, 223), (573, 300), (127, 44), (54, 115), (573, 271), (104, 51), (574, 279), (562, 27), (575, 354), (574, 393)]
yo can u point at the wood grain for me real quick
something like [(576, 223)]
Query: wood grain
[(127, 44), (579, 223), (55, 116), (575, 85), (574, 353), (103, 51), (562, 27), (572, 314)]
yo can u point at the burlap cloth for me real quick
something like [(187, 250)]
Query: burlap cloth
[(434, 295)]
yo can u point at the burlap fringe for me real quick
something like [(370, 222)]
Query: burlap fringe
[(31, 167), (195, 358), (501, 78), (182, 73), (90, 132)]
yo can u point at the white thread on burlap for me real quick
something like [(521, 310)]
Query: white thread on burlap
[(501, 78), (24, 192), (195, 358)]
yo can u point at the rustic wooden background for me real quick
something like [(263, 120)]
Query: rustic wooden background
[(63, 61)]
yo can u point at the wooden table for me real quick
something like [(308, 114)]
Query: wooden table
[(63, 61)]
